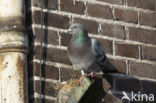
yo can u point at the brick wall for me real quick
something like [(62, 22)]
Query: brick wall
[(125, 28)]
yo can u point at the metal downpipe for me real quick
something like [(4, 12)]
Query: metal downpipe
[(13, 52)]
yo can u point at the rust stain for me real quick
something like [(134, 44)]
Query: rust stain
[(20, 70), (1, 61), (22, 10), (9, 76), (5, 65), (5, 99)]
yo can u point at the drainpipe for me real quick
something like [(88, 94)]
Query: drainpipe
[(13, 52)]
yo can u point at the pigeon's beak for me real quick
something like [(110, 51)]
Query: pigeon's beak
[(69, 30)]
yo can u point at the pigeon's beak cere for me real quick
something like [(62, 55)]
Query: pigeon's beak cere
[(69, 30)]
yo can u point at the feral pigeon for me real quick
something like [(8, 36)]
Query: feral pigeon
[(86, 53)]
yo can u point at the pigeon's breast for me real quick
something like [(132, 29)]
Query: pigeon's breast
[(80, 56)]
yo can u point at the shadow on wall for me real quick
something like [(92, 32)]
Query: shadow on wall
[(95, 92), (124, 89)]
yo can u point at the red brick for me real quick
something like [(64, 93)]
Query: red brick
[(67, 74), (92, 26), (57, 20), (51, 4), (106, 44), (51, 19), (50, 36), (120, 65), (126, 15), (113, 30), (99, 11), (149, 53), (48, 71), (53, 54), (143, 70), (65, 38), (36, 17), (127, 50), (142, 35), (148, 19), (145, 4), (120, 2), (69, 6), (48, 88)]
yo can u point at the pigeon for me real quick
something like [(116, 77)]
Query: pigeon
[(85, 53)]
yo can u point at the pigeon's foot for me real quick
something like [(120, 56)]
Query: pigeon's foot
[(80, 80), (91, 75)]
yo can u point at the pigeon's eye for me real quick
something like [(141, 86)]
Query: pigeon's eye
[(75, 27)]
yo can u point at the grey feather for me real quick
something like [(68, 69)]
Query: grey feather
[(86, 53)]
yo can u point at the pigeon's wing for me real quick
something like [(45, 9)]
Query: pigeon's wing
[(101, 59)]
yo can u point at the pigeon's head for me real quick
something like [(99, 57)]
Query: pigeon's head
[(78, 29)]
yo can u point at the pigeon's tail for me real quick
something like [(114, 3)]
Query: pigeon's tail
[(107, 67)]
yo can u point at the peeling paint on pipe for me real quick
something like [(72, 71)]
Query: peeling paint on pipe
[(12, 15), (13, 52), (13, 78), (11, 8)]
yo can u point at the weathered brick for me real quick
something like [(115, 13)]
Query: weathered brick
[(36, 17), (99, 11), (146, 4), (65, 38), (51, 19), (51, 4), (48, 88), (48, 71), (149, 87), (119, 64), (92, 26), (113, 30), (127, 50), (106, 44), (143, 70), (53, 54), (142, 35), (148, 53), (50, 36), (67, 74), (125, 15), (120, 2), (148, 19), (69, 6), (57, 20)]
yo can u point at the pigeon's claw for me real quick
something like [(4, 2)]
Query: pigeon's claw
[(80, 80), (91, 75)]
